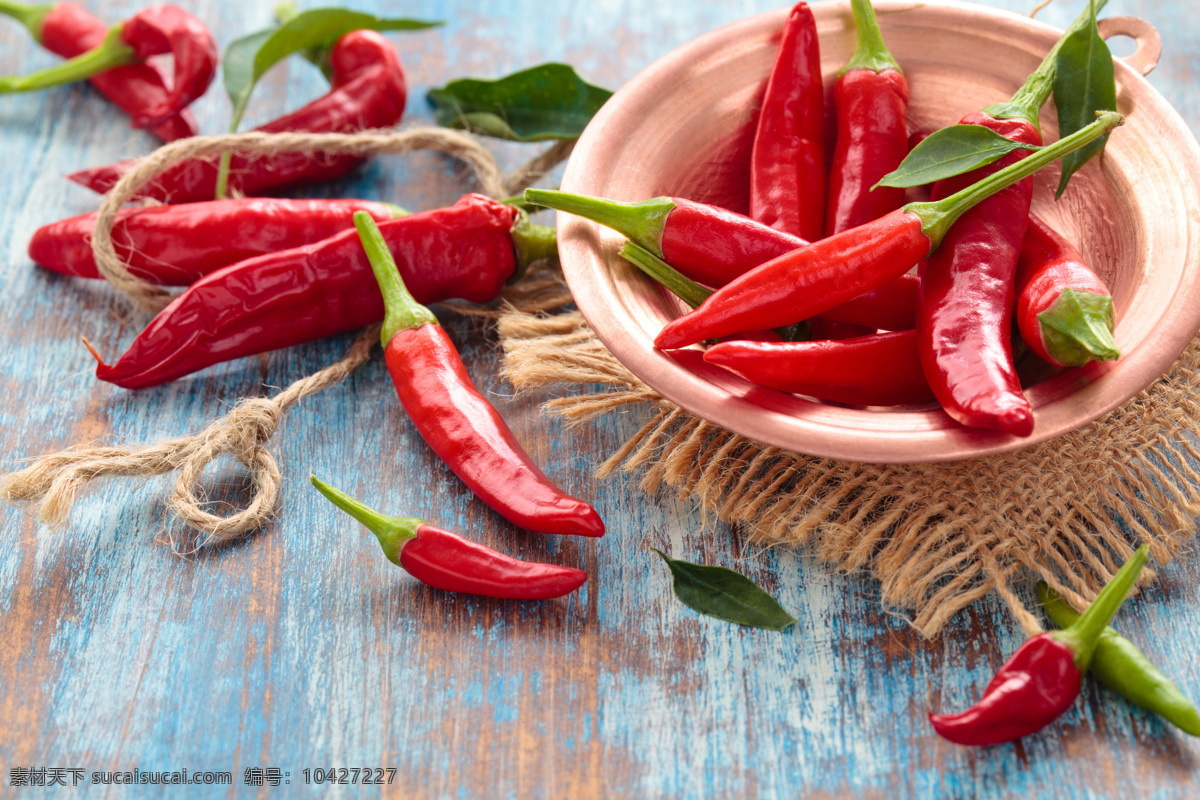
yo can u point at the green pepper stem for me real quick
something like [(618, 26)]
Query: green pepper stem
[(392, 532), (676, 282), (403, 312), (397, 211), (937, 217), (1085, 632), (1078, 328), (30, 16), (112, 53), (532, 242), (870, 52), (641, 222), (1029, 99)]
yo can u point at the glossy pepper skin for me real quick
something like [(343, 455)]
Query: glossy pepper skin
[(880, 369), (282, 299), (1064, 311), (447, 561), (967, 295), (458, 422), (368, 91), (787, 161), (68, 30), (176, 245)]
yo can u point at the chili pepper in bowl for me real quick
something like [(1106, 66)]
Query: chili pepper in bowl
[(1064, 310), (787, 161), (1043, 677), (467, 251), (67, 30), (445, 560), (155, 30), (368, 91), (176, 245), (805, 282), (457, 422), (870, 99)]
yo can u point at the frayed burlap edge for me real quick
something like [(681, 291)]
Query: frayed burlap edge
[(936, 536)]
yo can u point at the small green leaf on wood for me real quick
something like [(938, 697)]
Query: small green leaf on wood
[(949, 152), (1084, 84), (549, 101), (725, 594)]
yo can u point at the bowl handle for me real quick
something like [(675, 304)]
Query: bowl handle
[(1149, 45)]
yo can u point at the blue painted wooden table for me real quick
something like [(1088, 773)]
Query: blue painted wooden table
[(301, 648)]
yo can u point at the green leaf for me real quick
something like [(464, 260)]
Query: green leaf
[(549, 101), (1084, 83), (949, 152), (725, 594)]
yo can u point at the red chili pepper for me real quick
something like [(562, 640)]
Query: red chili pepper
[(368, 91), (871, 97), (880, 369), (153, 31), (445, 560), (67, 30), (178, 245), (805, 282), (1064, 310), (787, 162), (465, 251), (1042, 679), (461, 426)]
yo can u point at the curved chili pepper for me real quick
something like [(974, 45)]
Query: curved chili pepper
[(178, 245), (1064, 310), (368, 91), (445, 560), (787, 162), (1042, 678), (153, 31), (870, 97), (466, 251), (457, 422), (804, 282), (880, 369), (67, 30), (1120, 666)]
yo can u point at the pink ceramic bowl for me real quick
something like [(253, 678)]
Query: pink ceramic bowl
[(684, 127)]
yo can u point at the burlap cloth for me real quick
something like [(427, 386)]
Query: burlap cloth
[(936, 536)]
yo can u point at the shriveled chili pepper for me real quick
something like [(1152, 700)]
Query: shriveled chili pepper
[(466, 251), (457, 422), (880, 369), (1042, 678), (368, 91), (804, 282), (445, 560), (870, 99), (153, 31), (787, 161), (1122, 667), (175, 245), (1064, 311), (67, 30)]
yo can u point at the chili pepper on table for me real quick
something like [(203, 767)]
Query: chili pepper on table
[(153, 31), (787, 160), (870, 99), (466, 251), (445, 560), (368, 91), (175, 245), (1064, 311), (1122, 667), (457, 422), (805, 282), (67, 30), (1043, 677)]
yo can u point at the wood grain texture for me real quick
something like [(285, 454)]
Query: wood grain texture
[(301, 647)]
